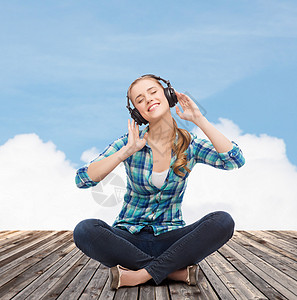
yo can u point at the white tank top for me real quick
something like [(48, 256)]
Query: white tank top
[(158, 178)]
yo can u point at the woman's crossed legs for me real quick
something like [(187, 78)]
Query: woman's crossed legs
[(157, 257)]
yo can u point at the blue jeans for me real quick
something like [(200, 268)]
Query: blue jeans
[(159, 255)]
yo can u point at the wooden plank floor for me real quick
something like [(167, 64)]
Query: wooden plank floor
[(47, 265)]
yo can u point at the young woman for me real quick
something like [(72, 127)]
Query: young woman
[(149, 238)]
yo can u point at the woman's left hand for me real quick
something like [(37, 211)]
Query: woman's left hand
[(191, 110)]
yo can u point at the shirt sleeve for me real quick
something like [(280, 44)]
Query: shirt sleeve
[(82, 179), (206, 153)]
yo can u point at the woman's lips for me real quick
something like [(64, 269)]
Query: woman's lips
[(153, 107)]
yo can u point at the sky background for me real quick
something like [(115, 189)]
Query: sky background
[(65, 68)]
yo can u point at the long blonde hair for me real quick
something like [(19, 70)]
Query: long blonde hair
[(183, 140)]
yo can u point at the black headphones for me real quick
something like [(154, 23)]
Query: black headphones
[(169, 94)]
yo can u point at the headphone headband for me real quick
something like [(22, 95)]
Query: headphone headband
[(158, 78)]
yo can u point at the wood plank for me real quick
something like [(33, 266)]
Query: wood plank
[(54, 291), (96, 284), (180, 290), (9, 239), (6, 233), (278, 242), (237, 284), (162, 292), (292, 233), (75, 288), (45, 280), (204, 286), (272, 275), (252, 273), (283, 236), (50, 282), (24, 248), (258, 238), (22, 261), (272, 252), (108, 294), (147, 291), (3, 231), (14, 268), (270, 257), (47, 265), (13, 241), (217, 284), (125, 293), (46, 260)]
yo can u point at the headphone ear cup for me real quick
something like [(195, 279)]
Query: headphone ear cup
[(171, 96), (135, 114)]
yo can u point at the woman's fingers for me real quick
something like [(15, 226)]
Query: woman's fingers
[(137, 129), (180, 98), (131, 125), (134, 125), (133, 129), (183, 99)]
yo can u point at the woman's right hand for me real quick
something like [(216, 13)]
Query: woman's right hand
[(134, 142)]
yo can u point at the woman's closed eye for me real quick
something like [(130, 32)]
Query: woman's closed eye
[(142, 98)]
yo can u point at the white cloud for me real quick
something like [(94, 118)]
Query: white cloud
[(260, 195), (38, 189), (89, 154)]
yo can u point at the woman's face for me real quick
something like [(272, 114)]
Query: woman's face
[(149, 98)]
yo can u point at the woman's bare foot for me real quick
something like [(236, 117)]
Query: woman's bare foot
[(179, 275), (133, 278)]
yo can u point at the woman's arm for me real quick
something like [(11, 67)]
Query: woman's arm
[(95, 171), (98, 170), (111, 157), (192, 113), (219, 141), (219, 152)]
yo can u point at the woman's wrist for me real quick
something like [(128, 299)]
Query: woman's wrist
[(125, 152), (200, 122)]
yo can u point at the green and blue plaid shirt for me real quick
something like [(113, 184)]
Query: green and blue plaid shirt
[(145, 204)]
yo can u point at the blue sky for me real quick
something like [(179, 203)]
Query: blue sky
[(65, 66)]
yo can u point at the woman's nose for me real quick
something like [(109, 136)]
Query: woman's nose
[(149, 98)]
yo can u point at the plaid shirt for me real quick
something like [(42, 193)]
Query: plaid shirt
[(145, 204)]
